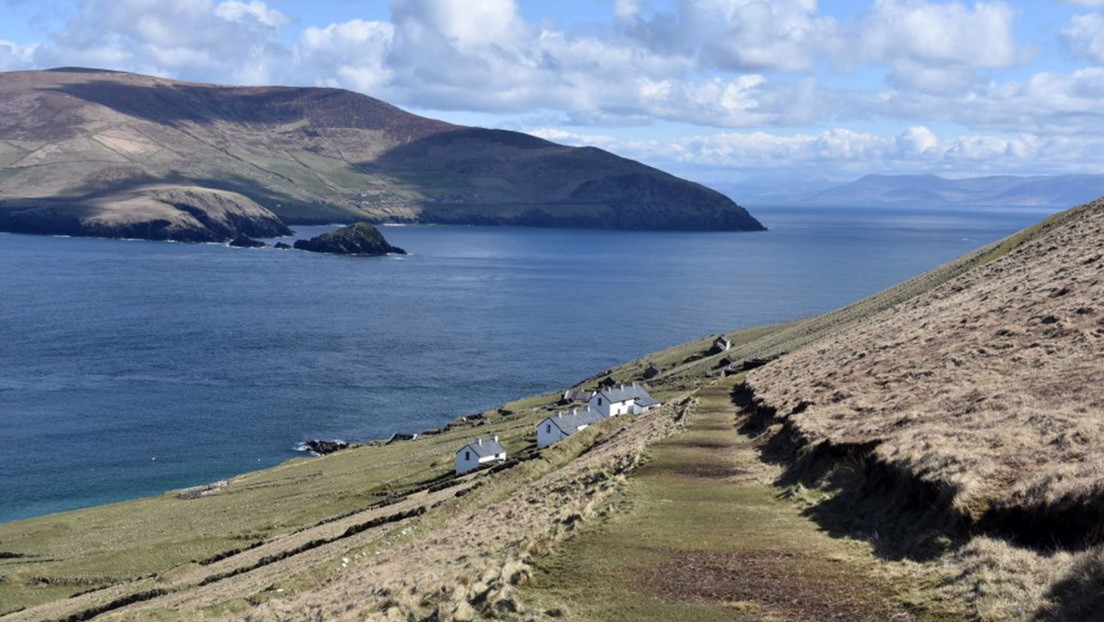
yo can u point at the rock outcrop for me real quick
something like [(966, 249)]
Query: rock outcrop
[(356, 239), (323, 447), (244, 241)]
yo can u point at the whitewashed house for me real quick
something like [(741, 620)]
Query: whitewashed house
[(630, 399), (479, 453), (720, 344), (563, 425)]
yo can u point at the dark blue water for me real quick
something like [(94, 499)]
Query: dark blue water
[(131, 367)]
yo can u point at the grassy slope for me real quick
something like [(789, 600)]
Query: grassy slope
[(160, 538), (1001, 360), (84, 549), (320, 155)]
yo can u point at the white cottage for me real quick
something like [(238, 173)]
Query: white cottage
[(623, 400), (563, 425), (478, 453)]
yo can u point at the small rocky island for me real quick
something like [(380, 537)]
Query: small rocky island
[(356, 239), (244, 241)]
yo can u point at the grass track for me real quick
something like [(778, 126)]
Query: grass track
[(703, 535)]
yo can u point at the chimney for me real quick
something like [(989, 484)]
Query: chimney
[(574, 411), (495, 437), (478, 441)]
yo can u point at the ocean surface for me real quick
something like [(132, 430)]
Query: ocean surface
[(131, 367)]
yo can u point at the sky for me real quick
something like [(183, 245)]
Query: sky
[(720, 91)]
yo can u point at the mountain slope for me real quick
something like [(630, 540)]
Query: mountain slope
[(996, 190), (968, 422), (1005, 360), (312, 155)]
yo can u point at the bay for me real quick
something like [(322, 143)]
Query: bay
[(131, 367)]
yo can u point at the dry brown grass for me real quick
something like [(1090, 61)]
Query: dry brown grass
[(991, 385), (983, 397)]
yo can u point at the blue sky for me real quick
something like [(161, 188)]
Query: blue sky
[(718, 90)]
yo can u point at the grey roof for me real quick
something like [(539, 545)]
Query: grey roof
[(569, 423), (578, 394), (647, 402), (488, 447), (624, 393)]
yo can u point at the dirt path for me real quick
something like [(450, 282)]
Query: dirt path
[(703, 535)]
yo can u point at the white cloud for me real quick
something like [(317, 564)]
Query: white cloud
[(16, 56), (1085, 36), (933, 47), (941, 33), (233, 11), (917, 140), (626, 9), (231, 41), (842, 153), (736, 35), (697, 64), (351, 55), (1046, 103)]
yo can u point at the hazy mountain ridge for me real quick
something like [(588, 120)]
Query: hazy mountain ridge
[(312, 155), (996, 190)]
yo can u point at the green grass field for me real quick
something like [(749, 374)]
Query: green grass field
[(72, 552)]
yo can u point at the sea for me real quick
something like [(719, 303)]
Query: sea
[(131, 367)]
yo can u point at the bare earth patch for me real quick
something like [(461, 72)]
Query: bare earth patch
[(778, 580)]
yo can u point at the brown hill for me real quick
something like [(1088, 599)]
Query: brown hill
[(90, 138), (974, 410)]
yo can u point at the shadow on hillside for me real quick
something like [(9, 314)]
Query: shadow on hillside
[(900, 517), (174, 104), (473, 166), (1080, 594), (484, 176), (290, 210), (898, 513)]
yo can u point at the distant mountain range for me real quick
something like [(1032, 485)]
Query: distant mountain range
[(997, 190), (93, 152)]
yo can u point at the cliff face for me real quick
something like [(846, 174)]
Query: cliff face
[(89, 139)]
